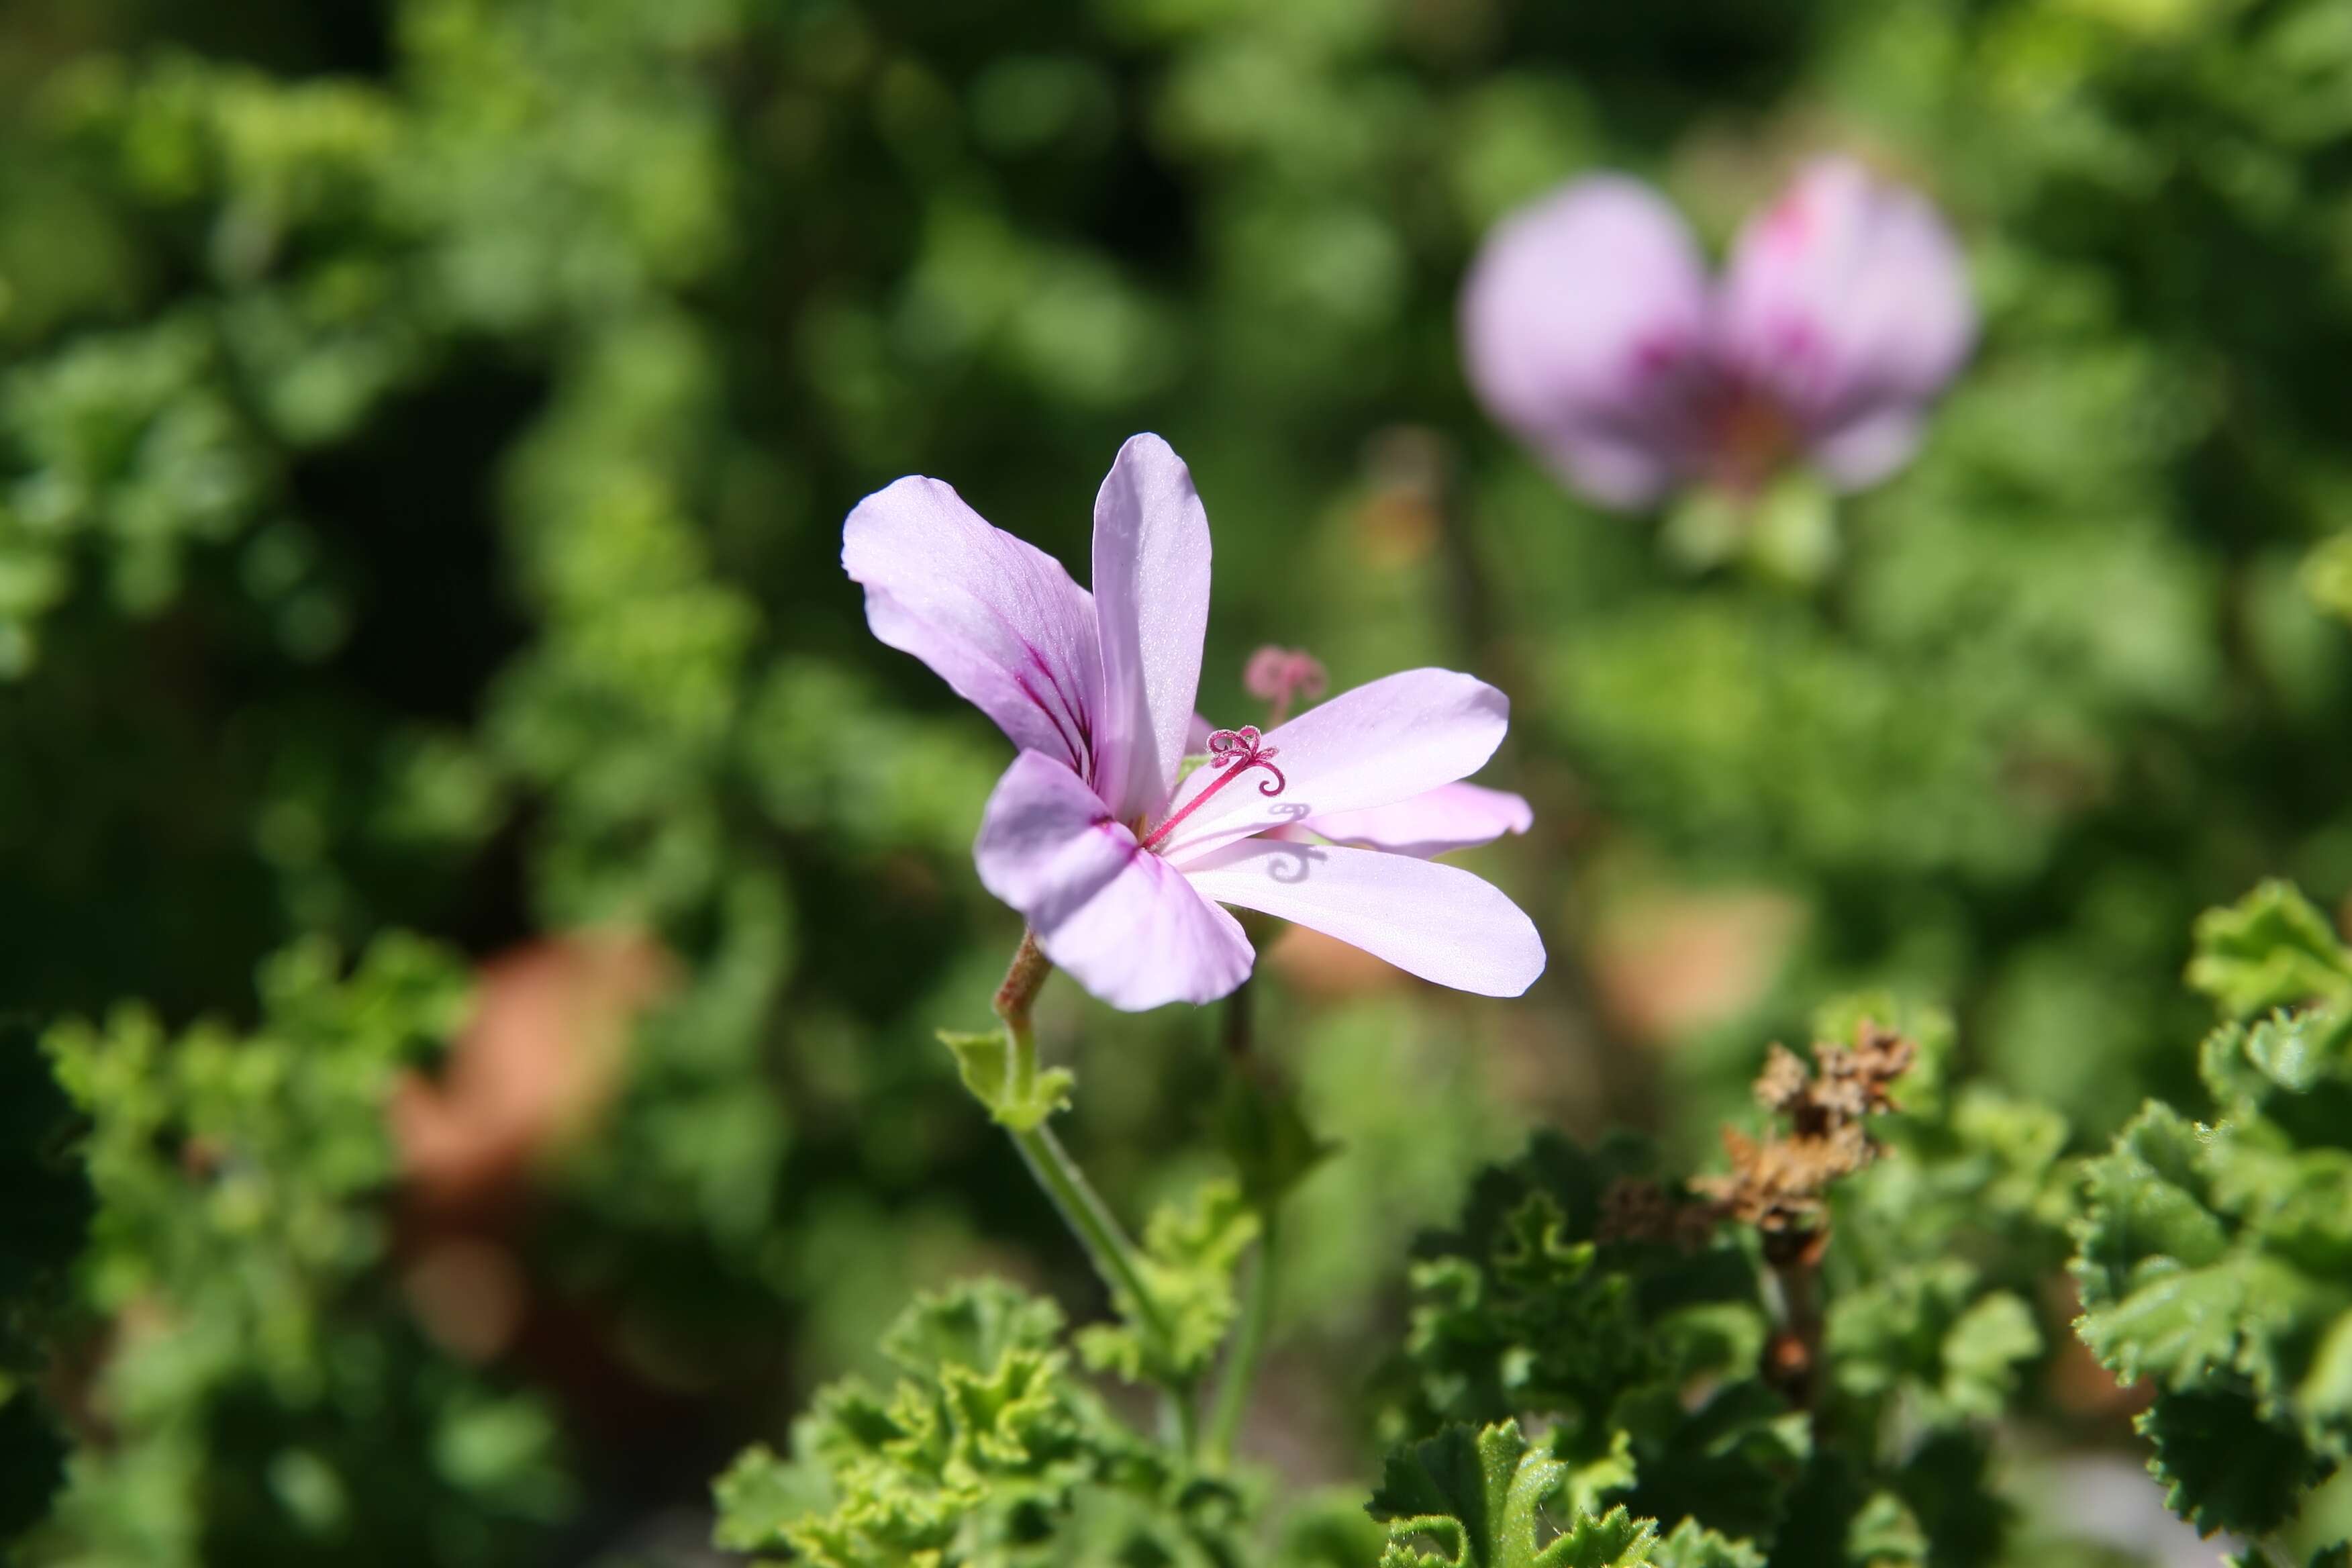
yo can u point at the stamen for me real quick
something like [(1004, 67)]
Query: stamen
[(1233, 753)]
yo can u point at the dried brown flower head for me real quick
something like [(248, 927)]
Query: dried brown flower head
[(1778, 1184)]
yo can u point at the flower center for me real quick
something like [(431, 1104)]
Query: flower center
[(1751, 436), (1231, 753)]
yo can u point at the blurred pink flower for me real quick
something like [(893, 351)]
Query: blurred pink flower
[(1591, 329), (1118, 868), (1280, 676)]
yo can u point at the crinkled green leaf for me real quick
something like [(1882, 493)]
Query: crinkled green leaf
[(1691, 1545), (2271, 948), (1984, 1350), (2019, 1144), (1885, 1531), (1479, 1499), (986, 1452), (1935, 1334), (1526, 1309), (1611, 1539), (1190, 1253), (2187, 1326), (1643, 1353), (2217, 1261), (757, 1497), (2294, 1068), (2221, 1465), (973, 1326), (2147, 1208), (1890, 1332)]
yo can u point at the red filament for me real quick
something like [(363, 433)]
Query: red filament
[(1233, 753)]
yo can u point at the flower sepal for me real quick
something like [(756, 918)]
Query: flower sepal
[(1787, 532), (1016, 1092)]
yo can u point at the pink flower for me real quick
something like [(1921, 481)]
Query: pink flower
[(1120, 869), (1279, 676), (1591, 330)]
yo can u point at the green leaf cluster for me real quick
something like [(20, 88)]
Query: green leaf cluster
[(987, 1449), (240, 1240), (2271, 948), (1191, 1252), (1938, 1248), (1647, 1350), (1527, 1311), (1486, 1498), (2214, 1261)]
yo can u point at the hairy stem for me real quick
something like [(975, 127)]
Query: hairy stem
[(1015, 1001), (1107, 1245)]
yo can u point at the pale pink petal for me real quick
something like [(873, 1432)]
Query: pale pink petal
[(1123, 921), (1437, 921), (998, 619), (1151, 603), (1380, 743), (1848, 300), (1449, 818), (1196, 736), (1585, 330)]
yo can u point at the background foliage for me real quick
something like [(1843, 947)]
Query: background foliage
[(424, 428)]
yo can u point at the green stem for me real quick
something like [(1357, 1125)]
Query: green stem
[(1181, 1421), (1107, 1245), (1114, 1256), (1249, 1344)]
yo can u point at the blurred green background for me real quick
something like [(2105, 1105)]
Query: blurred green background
[(424, 431)]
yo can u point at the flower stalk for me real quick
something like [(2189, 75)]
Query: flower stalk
[(1108, 1246)]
